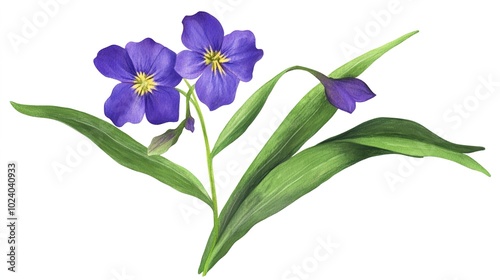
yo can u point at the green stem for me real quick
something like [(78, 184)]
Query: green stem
[(185, 94), (209, 161), (210, 170)]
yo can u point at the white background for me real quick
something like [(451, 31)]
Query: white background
[(431, 219)]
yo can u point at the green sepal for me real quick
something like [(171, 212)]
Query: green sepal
[(161, 143)]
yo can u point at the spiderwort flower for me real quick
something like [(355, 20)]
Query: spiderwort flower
[(147, 76), (344, 93), (220, 61)]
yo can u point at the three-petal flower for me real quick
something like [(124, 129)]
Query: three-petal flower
[(147, 80), (220, 61)]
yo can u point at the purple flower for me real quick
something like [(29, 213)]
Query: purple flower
[(220, 61), (344, 93), (147, 76)]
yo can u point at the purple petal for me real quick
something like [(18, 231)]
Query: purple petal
[(190, 64), (344, 93), (162, 105), (124, 105), (154, 59), (143, 54), (202, 31), (358, 90), (163, 69), (114, 62), (189, 124), (239, 47), (216, 89)]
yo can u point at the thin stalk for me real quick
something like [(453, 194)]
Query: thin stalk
[(210, 168), (209, 163)]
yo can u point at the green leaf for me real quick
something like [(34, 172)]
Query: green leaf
[(161, 143), (246, 114), (409, 138), (311, 167), (122, 148), (305, 119)]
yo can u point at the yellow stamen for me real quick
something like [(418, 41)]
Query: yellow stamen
[(144, 83), (216, 58)]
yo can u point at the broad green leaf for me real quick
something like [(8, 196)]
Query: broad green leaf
[(305, 119), (311, 167), (122, 148)]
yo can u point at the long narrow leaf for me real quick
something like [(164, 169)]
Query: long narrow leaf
[(305, 119), (122, 148), (409, 138), (311, 167)]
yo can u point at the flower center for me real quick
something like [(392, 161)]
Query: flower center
[(216, 58), (144, 83)]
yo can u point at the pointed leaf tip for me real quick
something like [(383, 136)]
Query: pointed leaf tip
[(122, 148)]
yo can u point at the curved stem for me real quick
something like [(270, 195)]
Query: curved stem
[(209, 160), (185, 95), (210, 168), (192, 98)]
